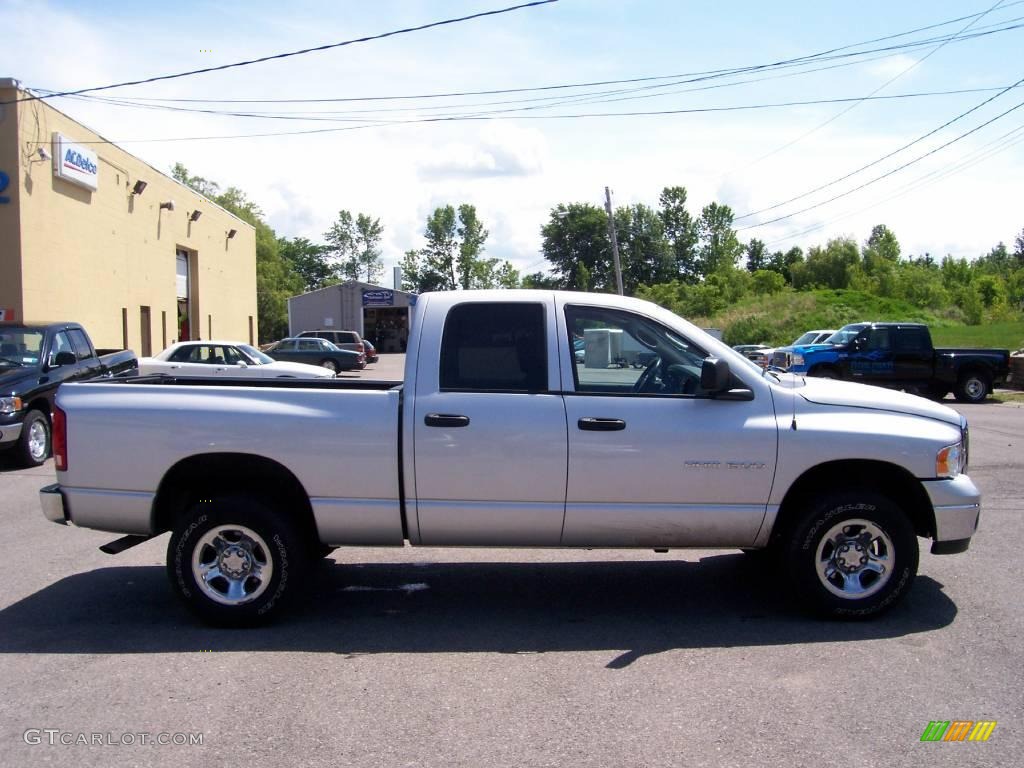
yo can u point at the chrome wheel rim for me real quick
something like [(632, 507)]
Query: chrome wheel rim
[(855, 559), (330, 365), (37, 440), (974, 387), (231, 564)]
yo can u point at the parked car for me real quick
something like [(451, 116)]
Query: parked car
[(901, 356), (495, 438), (783, 356), (225, 358), (758, 353), (341, 339), (35, 359), (317, 351), (371, 352)]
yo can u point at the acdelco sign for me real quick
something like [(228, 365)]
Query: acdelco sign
[(75, 163)]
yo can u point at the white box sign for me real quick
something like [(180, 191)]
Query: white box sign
[(75, 163)]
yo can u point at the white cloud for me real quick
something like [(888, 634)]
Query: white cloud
[(498, 150)]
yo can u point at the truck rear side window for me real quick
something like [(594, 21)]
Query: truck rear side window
[(494, 347)]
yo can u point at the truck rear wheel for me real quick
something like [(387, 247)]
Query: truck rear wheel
[(853, 555), (34, 443), (972, 387), (234, 561)]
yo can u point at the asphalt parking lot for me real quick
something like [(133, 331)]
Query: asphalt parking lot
[(448, 657)]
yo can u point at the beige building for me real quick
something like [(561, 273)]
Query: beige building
[(89, 233)]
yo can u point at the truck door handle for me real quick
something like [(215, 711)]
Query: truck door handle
[(595, 424), (445, 420)]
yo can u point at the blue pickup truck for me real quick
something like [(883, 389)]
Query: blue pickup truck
[(35, 359), (901, 356)]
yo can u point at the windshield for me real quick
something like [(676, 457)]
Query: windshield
[(846, 334), (807, 338), (20, 346), (257, 357)]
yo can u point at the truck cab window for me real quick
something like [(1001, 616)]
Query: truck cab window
[(616, 352), (494, 347)]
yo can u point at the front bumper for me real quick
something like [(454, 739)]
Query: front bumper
[(957, 505), (52, 501), (9, 434)]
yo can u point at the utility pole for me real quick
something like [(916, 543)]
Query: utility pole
[(614, 239)]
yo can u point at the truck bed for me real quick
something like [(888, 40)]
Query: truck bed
[(337, 438)]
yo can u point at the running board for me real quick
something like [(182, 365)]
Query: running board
[(118, 546)]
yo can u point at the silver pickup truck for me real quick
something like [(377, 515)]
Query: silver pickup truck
[(503, 435)]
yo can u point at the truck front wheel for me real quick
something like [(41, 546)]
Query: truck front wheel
[(972, 387), (34, 443), (234, 561), (852, 555)]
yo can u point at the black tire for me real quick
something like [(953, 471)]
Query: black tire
[(35, 441), (825, 372), (878, 534), (972, 387), (937, 392), (330, 365), (256, 541)]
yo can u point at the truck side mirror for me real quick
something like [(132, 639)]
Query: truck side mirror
[(859, 344), (714, 375), (63, 358)]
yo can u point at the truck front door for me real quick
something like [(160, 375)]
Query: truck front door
[(653, 461), (489, 430)]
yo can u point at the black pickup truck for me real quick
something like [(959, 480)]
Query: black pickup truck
[(35, 359), (901, 355)]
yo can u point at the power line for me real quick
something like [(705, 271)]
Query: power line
[(573, 116), (879, 160), (883, 86), (887, 173), (301, 52), (499, 91), (1008, 140), (482, 115)]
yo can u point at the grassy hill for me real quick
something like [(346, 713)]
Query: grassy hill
[(781, 318), (999, 335)]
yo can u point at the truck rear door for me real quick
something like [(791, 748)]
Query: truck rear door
[(489, 429)]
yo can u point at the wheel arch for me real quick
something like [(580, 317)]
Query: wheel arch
[(882, 477), (212, 474), (42, 404)]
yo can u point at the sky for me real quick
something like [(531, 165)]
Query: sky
[(530, 150)]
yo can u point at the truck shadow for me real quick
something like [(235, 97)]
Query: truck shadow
[(633, 608)]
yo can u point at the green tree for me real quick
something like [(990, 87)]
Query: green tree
[(540, 280), (367, 246), (718, 245), (198, 183), (757, 255), (309, 261), (828, 267), (1018, 249), (680, 232), (342, 246), (577, 234), (644, 252), (453, 255), (766, 282), (783, 262)]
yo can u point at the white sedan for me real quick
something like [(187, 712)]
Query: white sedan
[(225, 358)]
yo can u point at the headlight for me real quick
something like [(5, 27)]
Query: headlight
[(9, 405), (950, 461), (797, 360)]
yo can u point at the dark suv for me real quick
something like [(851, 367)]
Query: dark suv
[(342, 339)]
